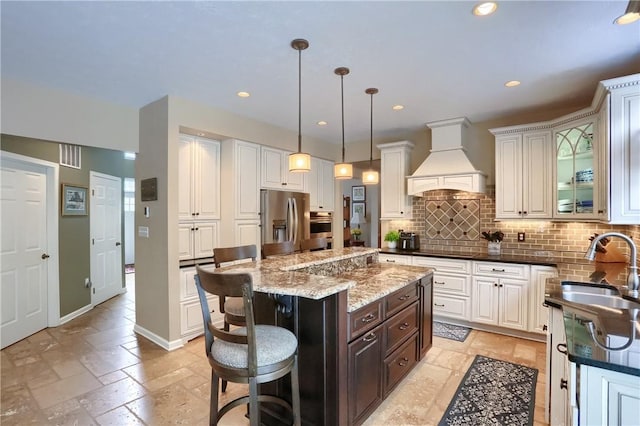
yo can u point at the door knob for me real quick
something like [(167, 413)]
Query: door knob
[(44, 256), (118, 243)]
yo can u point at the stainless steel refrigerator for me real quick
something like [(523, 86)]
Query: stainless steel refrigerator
[(284, 216)]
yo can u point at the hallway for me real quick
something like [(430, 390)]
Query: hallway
[(95, 370)]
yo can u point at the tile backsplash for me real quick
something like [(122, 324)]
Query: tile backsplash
[(459, 227)]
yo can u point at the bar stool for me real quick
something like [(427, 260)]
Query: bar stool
[(253, 354), (274, 249)]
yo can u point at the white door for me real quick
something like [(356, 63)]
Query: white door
[(23, 250), (105, 213)]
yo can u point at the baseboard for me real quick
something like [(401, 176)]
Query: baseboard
[(160, 341), (75, 314), (492, 329)]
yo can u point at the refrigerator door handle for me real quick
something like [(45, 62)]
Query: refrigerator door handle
[(295, 220), (289, 220)]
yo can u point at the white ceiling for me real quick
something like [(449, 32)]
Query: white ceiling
[(435, 58)]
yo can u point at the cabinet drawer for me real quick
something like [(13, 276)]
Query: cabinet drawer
[(457, 266), (191, 323), (497, 269), (398, 259), (457, 284), (188, 283), (397, 300), (400, 363), (364, 319), (401, 326), (451, 306)]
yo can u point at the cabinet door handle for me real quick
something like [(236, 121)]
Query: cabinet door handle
[(404, 326), (439, 282), (563, 384), (405, 297), (545, 328), (497, 270), (563, 346), (391, 261), (197, 213), (495, 284), (525, 212), (369, 337), (500, 285), (440, 306), (519, 211), (368, 318), (284, 183), (403, 362)]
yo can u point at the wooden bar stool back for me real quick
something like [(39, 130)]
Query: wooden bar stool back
[(232, 307), (313, 244), (252, 354), (274, 249)]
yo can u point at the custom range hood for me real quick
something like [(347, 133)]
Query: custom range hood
[(448, 166)]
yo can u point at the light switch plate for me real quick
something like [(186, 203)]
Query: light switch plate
[(143, 231), (521, 237)]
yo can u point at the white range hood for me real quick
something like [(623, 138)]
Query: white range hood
[(448, 166)]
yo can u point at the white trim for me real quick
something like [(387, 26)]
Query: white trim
[(75, 314), (53, 201), (163, 343)]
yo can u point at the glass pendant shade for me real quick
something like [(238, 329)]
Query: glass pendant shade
[(370, 177), (299, 162), (343, 171)]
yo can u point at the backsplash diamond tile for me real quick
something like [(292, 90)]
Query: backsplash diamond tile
[(452, 219)]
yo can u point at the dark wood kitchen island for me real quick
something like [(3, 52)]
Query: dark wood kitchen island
[(361, 327)]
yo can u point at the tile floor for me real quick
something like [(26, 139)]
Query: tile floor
[(95, 370)]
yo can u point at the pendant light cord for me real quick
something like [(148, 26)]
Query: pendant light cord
[(300, 101), (371, 136), (342, 101)]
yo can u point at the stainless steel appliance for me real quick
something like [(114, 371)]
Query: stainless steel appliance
[(284, 216), (409, 241), (320, 225)]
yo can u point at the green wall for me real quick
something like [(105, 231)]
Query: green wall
[(73, 230)]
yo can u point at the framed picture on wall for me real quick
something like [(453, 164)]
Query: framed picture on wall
[(359, 208), (358, 193), (74, 200)]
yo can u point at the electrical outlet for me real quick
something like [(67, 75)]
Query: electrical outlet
[(521, 237)]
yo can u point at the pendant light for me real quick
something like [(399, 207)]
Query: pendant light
[(342, 170), (299, 161), (371, 177)]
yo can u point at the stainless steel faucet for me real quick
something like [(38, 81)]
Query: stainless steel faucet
[(633, 281)]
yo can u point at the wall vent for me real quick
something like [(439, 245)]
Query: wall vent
[(70, 155)]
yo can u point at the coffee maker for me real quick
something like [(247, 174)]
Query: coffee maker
[(409, 241)]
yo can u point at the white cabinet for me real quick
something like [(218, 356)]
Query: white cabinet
[(275, 171), (538, 311), (191, 324), (394, 169), (198, 179), (499, 294), (523, 174), (451, 286), (197, 240), (624, 149), (608, 397), (198, 197), (398, 259), (247, 232), (321, 186)]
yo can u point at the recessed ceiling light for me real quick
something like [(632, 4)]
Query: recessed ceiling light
[(485, 8), (321, 123), (398, 107), (244, 94), (512, 83)]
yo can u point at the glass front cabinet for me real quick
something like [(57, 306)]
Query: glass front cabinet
[(576, 170)]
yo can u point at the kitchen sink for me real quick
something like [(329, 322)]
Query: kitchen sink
[(604, 300), (575, 286)]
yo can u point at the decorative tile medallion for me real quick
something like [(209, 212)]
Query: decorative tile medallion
[(452, 219)]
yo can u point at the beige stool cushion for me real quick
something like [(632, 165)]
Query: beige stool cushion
[(233, 306)]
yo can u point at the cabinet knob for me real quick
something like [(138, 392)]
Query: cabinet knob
[(563, 384), (545, 328), (495, 284), (284, 183), (600, 211), (401, 212), (524, 212), (500, 285), (404, 326), (519, 211)]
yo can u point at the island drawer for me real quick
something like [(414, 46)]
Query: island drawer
[(400, 327), (397, 300), (364, 319), (457, 284), (400, 363), (499, 269)]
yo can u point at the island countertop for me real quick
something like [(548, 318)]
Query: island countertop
[(319, 274)]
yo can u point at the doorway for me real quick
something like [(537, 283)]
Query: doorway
[(106, 237), (29, 247)]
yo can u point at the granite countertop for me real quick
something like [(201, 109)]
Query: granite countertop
[(365, 284), (378, 280), (543, 259)]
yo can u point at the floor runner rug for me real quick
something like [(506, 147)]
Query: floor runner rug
[(450, 331), (493, 392)]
